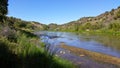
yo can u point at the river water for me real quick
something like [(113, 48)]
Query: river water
[(103, 44)]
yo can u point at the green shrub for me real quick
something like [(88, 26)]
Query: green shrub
[(114, 26), (20, 24)]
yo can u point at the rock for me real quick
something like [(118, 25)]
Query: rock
[(62, 43), (71, 39), (82, 55), (63, 52), (79, 62), (87, 30), (56, 55), (60, 52)]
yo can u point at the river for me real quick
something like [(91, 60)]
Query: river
[(109, 45)]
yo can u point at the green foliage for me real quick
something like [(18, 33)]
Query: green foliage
[(51, 26), (118, 14), (114, 26), (45, 27), (7, 57), (3, 7), (88, 26), (20, 24), (16, 23), (27, 52), (76, 27), (25, 46), (30, 26)]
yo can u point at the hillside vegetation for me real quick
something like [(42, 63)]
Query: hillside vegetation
[(20, 48), (106, 22)]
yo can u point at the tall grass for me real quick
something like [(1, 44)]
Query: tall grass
[(26, 54)]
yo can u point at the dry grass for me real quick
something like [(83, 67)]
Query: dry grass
[(93, 55)]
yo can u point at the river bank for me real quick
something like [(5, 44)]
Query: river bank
[(93, 55)]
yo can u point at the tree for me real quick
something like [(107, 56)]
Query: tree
[(3, 8)]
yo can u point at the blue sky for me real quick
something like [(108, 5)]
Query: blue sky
[(58, 11)]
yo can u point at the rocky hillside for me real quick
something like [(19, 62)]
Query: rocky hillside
[(107, 20)]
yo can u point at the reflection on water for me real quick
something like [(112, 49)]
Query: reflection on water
[(104, 44), (112, 42)]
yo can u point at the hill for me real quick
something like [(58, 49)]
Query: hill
[(110, 20)]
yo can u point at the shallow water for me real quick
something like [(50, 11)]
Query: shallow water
[(104, 44)]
